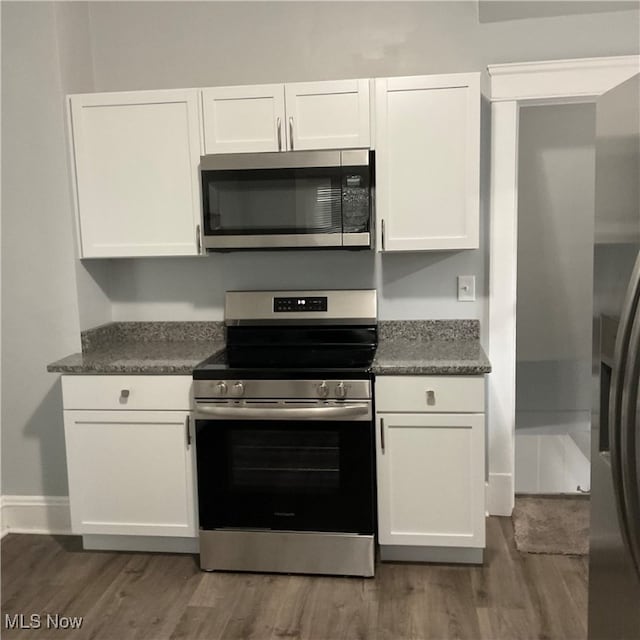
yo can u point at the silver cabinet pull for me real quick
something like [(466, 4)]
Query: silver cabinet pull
[(382, 434), (383, 234), (279, 128), (187, 424), (124, 393), (431, 397), (198, 240), (291, 132)]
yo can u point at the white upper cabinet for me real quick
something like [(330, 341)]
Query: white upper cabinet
[(244, 119), (428, 162), (136, 157), (327, 115), (277, 117)]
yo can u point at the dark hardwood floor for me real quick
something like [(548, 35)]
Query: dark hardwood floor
[(156, 596)]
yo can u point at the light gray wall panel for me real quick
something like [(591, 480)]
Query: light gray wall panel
[(167, 44), (40, 316), (555, 258)]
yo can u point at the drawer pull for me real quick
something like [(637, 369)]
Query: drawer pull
[(124, 395), (431, 397)]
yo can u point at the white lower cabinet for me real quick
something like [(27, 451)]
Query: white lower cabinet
[(430, 468), (131, 472)]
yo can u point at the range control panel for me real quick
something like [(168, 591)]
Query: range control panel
[(305, 303)]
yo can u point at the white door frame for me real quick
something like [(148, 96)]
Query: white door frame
[(514, 85)]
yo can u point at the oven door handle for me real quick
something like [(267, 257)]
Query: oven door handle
[(284, 413)]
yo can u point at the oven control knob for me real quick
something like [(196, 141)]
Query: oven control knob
[(341, 391), (220, 389), (237, 389), (323, 390)]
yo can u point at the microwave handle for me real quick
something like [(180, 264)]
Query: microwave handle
[(291, 132)]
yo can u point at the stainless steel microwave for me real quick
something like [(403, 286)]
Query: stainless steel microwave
[(290, 199)]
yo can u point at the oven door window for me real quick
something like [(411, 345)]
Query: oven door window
[(303, 462), (272, 201), (297, 476)]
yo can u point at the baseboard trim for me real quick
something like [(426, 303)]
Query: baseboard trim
[(500, 492), (159, 544), (461, 555), (35, 514)]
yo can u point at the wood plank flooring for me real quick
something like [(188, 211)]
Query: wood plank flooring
[(124, 596)]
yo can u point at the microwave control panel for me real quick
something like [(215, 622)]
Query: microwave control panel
[(305, 303)]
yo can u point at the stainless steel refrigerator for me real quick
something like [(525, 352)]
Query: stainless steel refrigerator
[(614, 561)]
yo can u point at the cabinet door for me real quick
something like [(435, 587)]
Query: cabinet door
[(327, 115), (244, 119), (130, 472), (136, 161), (428, 162), (431, 479)]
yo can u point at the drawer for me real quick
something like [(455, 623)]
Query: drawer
[(127, 392), (438, 394)]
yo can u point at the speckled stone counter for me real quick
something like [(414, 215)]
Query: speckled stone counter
[(420, 347), (430, 347), (171, 348)]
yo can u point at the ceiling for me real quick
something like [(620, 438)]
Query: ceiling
[(501, 10)]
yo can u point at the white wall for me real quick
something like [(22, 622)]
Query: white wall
[(409, 286), (167, 44), (40, 320), (555, 296), (73, 42)]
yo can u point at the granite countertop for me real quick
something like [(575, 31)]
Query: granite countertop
[(406, 347), (170, 348), (430, 347)]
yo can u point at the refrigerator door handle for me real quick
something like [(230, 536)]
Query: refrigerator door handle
[(621, 357), (629, 426)]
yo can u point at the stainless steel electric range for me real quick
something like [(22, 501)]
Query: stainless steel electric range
[(284, 435)]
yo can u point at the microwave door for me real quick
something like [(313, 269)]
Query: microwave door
[(253, 208)]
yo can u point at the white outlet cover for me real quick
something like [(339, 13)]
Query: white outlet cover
[(466, 288)]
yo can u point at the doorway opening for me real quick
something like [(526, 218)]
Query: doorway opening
[(556, 182)]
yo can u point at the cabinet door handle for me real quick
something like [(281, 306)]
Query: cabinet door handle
[(383, 234), (382, 434), (187, 424), (431, 397), (291, 132), (279, 127), (198, 240)]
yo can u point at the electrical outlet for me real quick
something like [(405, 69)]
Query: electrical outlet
[(466, 288)]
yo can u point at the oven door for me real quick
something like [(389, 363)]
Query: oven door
[(286, 475)]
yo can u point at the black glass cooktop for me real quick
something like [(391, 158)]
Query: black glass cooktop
[(292, 352)]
